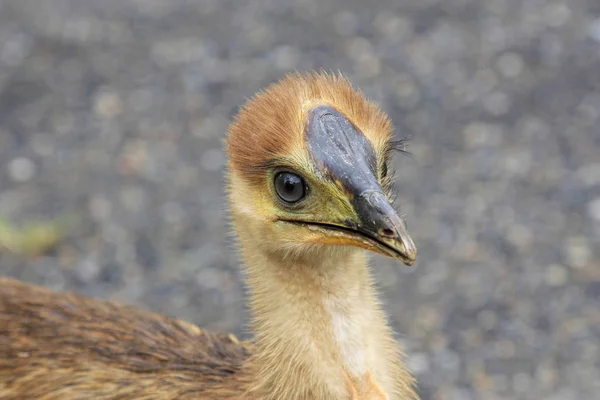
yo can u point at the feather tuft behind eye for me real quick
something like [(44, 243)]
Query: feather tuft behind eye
[(400, 145), (386, 167)]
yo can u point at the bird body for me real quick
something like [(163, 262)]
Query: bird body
[(64, 346), (309, 183)]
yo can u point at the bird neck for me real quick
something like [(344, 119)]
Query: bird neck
[(319, 330)]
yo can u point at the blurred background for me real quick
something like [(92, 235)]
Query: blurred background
[(113, 112)]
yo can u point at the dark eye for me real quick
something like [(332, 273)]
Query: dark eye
[(290, 187)]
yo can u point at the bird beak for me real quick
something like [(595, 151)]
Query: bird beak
[(380, 223), (347, 157), (379, 229)]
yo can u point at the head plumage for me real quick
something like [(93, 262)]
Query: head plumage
[(272, 124)]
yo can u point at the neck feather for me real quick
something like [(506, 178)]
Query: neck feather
[(319, 330)]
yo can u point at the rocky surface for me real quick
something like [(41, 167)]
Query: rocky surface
[(112, 115)]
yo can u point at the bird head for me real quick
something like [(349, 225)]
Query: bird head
[(309, 168)]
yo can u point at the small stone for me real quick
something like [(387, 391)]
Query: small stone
[(485, 80), (448, 359), (100, 208), (286, 57), (578, 252), (521, 382), (359, 48), (587, 113), (520, 236), (134, 157), (594, 30), (547, 375), (42, 144), (530, 127), (208, 127), (167, 52), (589, 175), (21, 169), (132, 198), (345, 23), (407, 91), (212, 160), (487, 319), (387, 274), (557, 14), (505, 348), (260, 36), (556, 275), (140, 100), (369, 67), (501, 383), (478, 134), (510, 65), (15, 50), (173, 212), (209, 278), (428, 318), (108, 104), (594, 209), (392, 26), (497, 104), (418, 363), (146, 253), (88, 269)]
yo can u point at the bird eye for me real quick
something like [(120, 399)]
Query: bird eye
[(290, 187)]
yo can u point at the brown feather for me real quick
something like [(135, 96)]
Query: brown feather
[(101, 350)]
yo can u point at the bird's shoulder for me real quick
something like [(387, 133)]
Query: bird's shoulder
[(86, 341)]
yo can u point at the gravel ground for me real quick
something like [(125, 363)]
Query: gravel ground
[(112, 115)]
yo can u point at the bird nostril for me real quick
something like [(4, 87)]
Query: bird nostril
[(387, 232)]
